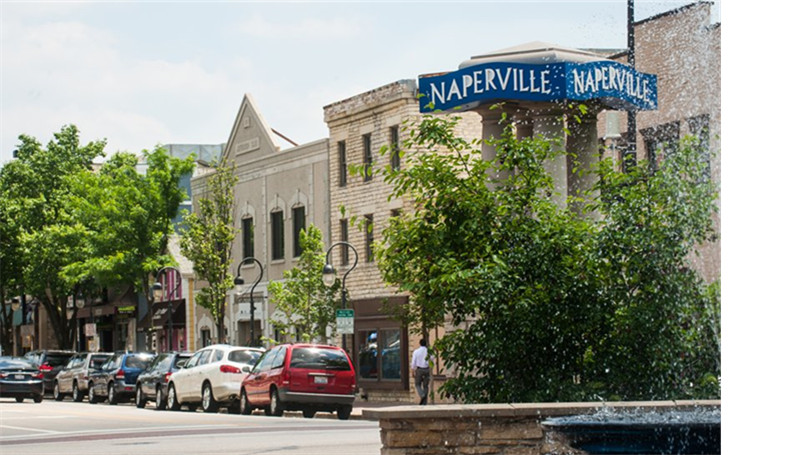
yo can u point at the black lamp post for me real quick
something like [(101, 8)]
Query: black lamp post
[(158, 292), (239, 282), (329, 277)]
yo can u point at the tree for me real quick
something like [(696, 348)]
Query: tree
[(301, 299), (541, 299), (38, 188), (207, 241)]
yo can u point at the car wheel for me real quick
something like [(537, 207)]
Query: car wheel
[(343, 413), (209, 403), (309, 413), (37, 398), (112, 394), (140, 401), (172, 399), (244, 404), (275, 405), (77, 395), (19, 399), (92, 396), (57, 395), (161, 403)]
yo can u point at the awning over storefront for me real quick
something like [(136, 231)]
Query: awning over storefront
[(160, 314)]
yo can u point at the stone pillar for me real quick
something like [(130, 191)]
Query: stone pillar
[(551, 126), (583, 145), (491, 129)]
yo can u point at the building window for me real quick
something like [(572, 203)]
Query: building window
[(379, 355), (367, 157), (276, 220), (205, 335), (298, 225), (698, 127), (660, 142), (248, 238), (342, 164), (344, 249), (394, 134), (370, 237)]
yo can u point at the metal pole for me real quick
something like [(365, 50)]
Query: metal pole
[(344, 278), (630, 153), (239, 280)]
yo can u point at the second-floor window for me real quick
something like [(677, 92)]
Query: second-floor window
[(344, 249), (248, 238), (342, 163), (298, 224), (276, 222), (367, 138), (369, 237), (394, 137)]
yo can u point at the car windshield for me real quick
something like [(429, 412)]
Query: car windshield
[(248, 356), (97, 361), (57, 360), (139, 361), (317, 358), (9, 363)]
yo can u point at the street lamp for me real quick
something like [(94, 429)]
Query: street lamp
[(329, 277), (158, 292), (239, 282)]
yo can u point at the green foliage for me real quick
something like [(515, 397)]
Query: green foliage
[(547, 305), (208, 238), (302, 300)]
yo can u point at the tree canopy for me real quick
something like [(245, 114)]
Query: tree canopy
[(544, 304)]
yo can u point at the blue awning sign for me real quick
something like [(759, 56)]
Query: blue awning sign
[(613, 83)]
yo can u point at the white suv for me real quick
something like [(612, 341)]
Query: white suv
[(211, 378)]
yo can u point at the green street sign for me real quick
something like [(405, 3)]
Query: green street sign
[(344, 321)]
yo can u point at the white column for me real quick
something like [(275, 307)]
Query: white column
[(551, 127), (583, 144)]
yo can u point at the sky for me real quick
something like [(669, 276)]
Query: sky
[(144, 73)]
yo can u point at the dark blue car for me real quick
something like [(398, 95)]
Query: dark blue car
[(116, 379)]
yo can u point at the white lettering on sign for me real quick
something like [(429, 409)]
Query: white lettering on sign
[(594, 80), (489, 79)]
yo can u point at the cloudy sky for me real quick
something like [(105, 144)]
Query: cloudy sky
[(145, 73)]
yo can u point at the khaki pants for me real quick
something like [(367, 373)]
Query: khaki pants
[(421, 379)]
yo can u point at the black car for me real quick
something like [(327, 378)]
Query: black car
[(20, 378), (116, 379), (152, 383), (49, 362), (73, 379)]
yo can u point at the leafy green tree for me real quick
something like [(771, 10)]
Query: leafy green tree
[(10, 266), (301, 299), (207, 241), (536, 293), (38, 188)]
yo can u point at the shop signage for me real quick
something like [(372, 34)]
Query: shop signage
[(616, 84), (345, 322)]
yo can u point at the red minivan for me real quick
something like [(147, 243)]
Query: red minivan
[(301, 377)]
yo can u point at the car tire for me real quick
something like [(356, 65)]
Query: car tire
[(112, 394), (140, 400), (245, 408), (77, 395), (161, 403), (209, 403), (37, 398), (172, 399), (57, 395), (309, 413), (19, 399), (275, 405), (344, 412), (92, 397)]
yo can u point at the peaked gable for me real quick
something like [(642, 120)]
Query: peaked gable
[(251, 137)]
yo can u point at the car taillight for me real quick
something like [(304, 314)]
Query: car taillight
[(229, 369), (3, 375), (167, 376), (45, 367), (120, 374), (38, 375)]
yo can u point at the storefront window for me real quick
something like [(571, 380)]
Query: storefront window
[(391, 367), (368, 354), (379, 354)]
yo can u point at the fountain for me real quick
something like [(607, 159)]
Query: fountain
[(676, 431)]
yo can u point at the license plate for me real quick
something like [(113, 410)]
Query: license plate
[(320, 380), (19, 376)]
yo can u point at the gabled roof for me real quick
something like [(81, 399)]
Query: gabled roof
[(257, 121)]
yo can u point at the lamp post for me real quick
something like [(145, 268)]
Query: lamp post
[(329, 277), (158, 292), (239, 282)]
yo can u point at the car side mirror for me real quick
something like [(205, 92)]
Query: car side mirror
[(246, 369)]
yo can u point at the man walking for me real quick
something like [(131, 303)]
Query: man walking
[(421, 370)]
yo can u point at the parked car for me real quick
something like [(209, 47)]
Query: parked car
[(152, 383), (49, 362), (301, 377), (116, 378), (212, 378), (73, 379), (20, 378)]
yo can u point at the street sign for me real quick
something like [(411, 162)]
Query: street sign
[(344, 321), (90, 329)]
